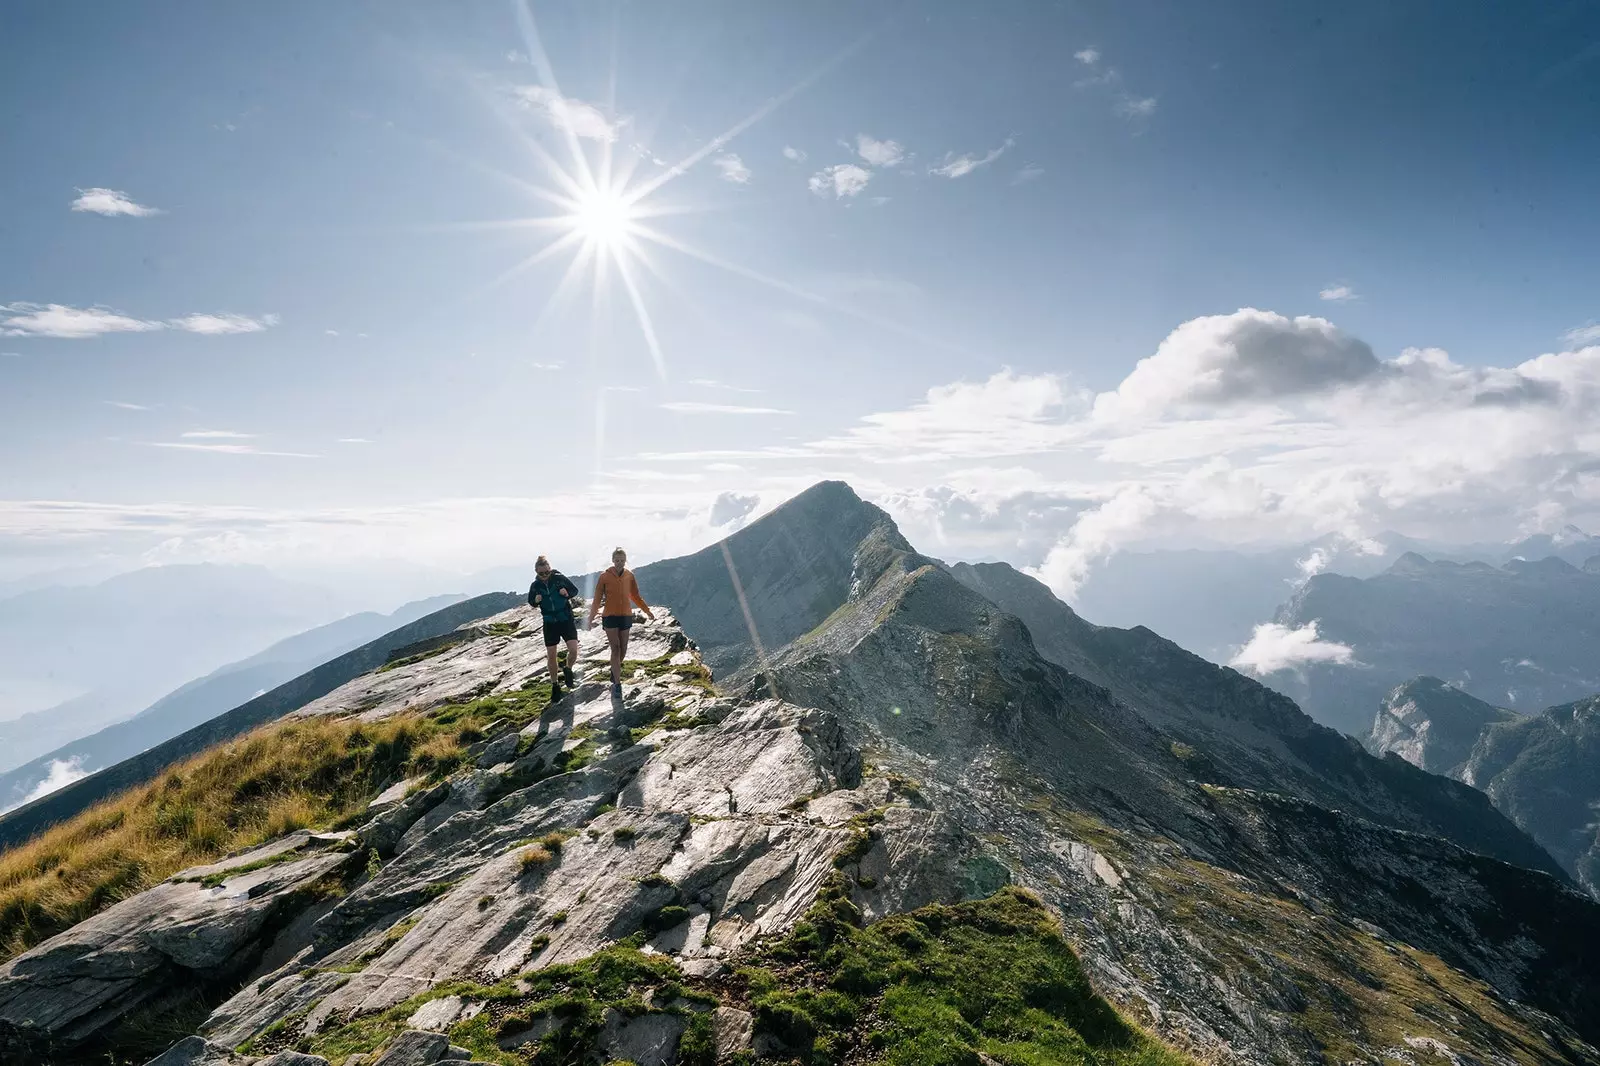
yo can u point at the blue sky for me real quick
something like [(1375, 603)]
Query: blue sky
[(958, 340)]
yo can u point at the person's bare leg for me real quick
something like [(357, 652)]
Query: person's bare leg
[(572, 658), (550, 655), (618, 637)]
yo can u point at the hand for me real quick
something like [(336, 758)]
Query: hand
[(538, 600)]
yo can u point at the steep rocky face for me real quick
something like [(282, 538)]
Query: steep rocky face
[(1239, 733), (1521, 636), (1432, 725), (1543, 771), (792, 568)]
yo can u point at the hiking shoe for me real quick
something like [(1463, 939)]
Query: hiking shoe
[(555, 692), (566, 673)]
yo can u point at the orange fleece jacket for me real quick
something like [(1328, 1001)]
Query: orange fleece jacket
[(619, 593)]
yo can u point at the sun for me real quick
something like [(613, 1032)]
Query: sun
[(603, 217)]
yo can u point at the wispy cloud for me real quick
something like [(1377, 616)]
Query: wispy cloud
[(547, 366), (1028, 173), (575, 116), (1583, 336), (216, 434), (62, 772), (228, 449), (713, 383), (733, 168), (958, 166), (77, 323), (690, 407), (793, 154), (111, 202), (843, 180), (879, 153), (1109, 78), (219, 325), (61, 321), (125, 406), (1087, 56), (1136, 106), (1338, 294), (352, 440)]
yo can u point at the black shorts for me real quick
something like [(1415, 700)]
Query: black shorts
[(558, 629), (618, 621)]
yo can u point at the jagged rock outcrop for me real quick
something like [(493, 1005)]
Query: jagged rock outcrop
[(1432, 725), (910, 746), (1521, 636)]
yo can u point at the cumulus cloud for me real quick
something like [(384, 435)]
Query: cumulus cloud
[(1273, 648), (845, 179), (732, 168), (1248, 355), (793, 154), (1087, 56), (1338, 294), (575, 116), (957, 166), (110, 202), (879, 153)]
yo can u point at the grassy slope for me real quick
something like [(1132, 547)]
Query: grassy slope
[(291, 774)]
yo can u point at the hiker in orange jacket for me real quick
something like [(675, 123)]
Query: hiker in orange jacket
[(617, 593)]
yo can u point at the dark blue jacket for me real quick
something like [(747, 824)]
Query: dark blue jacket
[(554, 606)]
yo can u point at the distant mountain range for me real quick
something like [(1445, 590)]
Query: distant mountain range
[(200, 700), (1542, 770), (1522, 635)]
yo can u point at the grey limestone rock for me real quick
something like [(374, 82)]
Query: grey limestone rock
[(195, 1051), (414, 1048)]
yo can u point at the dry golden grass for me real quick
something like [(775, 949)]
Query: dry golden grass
[(282, 777)]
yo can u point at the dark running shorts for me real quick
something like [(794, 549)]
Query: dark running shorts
[(618, 621), (557, 630)]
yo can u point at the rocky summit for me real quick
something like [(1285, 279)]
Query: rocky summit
[(920, 814)]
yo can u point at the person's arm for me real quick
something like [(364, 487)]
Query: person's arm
[(638, 600), (598, 599), (533, 600)]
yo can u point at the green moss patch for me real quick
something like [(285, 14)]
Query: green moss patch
[(938, 987)]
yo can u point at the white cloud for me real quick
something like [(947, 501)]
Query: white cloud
[(216, 434), (122, 404), (576, 117), (219, 325), (330, 333), (713, 383), (110, 202), (1273, 648), (1583, 336), (352, 440), (61, 321), (843, 180), (61, 773), (547, 366), (228, 449), (879, 153), (77, 323), (1338, 294), (1087, 56), (957, 166), (794, 155), (691, 407), (733, 168), (1136, 106), (1028, 173)]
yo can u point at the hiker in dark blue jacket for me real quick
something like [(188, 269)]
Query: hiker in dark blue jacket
[(554, 595)]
